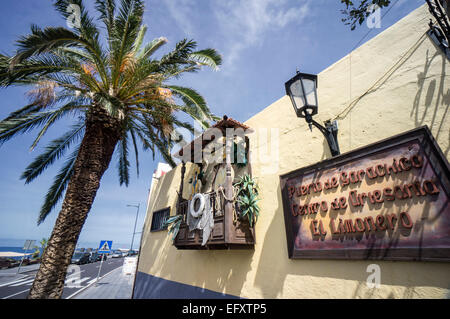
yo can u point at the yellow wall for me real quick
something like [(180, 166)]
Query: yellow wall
[(407, 80)]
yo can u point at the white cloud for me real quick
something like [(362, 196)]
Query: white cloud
[(241, 24), (245, 23), (181, 10)]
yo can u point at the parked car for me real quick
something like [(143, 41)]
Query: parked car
[(131, 253), (93, 257), (117, 254), (81, 258), (98, 257), (8, 263)]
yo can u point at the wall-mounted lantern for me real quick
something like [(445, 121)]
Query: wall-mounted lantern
[(302, 89), (440, 32)]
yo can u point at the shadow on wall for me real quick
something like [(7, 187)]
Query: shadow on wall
[(434, 91), (438, 92), (155, 249), (385, 78), (228, 275), (226, 269), (165, 181)]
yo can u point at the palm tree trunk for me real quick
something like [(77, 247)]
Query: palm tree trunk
[(92, 161)]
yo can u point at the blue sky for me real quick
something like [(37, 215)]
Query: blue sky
[(262, 42)]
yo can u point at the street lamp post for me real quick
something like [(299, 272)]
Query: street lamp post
[(302, 89), (135, 222)]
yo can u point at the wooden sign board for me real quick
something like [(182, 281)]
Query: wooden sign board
[(388, 200)]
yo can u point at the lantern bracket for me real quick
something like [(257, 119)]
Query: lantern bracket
[(329, 131)]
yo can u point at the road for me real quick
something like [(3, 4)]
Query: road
[(78, 277)]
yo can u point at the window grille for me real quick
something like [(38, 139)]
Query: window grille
[(158, 219)]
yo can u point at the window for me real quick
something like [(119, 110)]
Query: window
[(158, 219)]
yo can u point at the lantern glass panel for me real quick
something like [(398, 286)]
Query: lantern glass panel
[(297, 94), (310, 91)]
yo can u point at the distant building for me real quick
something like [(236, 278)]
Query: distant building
[(160, 170)]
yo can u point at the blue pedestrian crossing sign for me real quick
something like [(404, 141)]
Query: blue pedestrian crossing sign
[(105, 247)]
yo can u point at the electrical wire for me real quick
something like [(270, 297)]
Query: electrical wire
[(381, 79), (371, 29), (350, 67)]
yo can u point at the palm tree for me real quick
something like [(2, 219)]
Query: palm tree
[(118, 95)]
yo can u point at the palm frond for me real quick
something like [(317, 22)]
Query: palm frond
[(195, 104), (44, 93), (180, 55), (18, 125), (208, 57), (30, 108), (88, 34), (86, 28), (136, 152), (35, 67), (53, 151), (41, 41), (139, 39), (151, 48), (74, 53), (140, 81), (127, 25), (106, 8), (124, 164), (146, 144), (150, 138), (56, 116), (185, 125), (58, 187)]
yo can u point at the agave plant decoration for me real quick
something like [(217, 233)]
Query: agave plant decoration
[(247, 184), (173, 224), (247, 198)]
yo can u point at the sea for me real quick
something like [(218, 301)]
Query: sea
[(16, 245), (18, 250)]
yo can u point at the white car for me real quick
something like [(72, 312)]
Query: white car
[(117, 254)]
